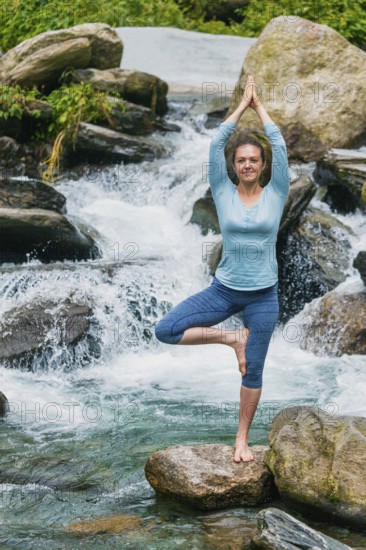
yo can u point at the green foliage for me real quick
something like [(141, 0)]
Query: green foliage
[(78, 102), (22, 19), (70, 104), (14, 100), (215, 27), (348, 17)]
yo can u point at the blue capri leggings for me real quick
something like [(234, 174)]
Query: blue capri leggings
[(218, 302)]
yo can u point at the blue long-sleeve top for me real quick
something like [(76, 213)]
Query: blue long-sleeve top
[(249, 234)]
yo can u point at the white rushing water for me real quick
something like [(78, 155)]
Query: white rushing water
[(144, 217)]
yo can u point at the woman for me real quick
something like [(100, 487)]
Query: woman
[(246, 278)]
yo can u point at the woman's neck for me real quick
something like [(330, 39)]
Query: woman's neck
[(249, 190)]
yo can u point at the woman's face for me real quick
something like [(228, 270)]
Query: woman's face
[(248, 164)]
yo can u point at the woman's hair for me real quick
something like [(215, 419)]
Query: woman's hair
[(248, 141)]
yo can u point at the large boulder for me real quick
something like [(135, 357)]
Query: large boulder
[(95, 142), (313, 260), (206, 476), (134, 86), (343, 173), (136, 119), (29, 333), (311, 81), (45, 235), (318, 461), (45, 66), (42, 58), (26, 193), (334, 324), (277, 530)]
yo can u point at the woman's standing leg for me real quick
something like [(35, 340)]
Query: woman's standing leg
[(260, 316)]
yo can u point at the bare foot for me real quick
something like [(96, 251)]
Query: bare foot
[(242, 451), (238, 343)]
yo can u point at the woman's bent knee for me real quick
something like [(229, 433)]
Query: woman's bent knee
[(164, 334), (253, 378)]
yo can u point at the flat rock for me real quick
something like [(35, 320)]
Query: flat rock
[(206, 476)]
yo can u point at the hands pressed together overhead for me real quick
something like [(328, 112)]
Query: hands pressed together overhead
[(250, 98)]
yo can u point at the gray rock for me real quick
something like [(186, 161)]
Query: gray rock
[(135, 86), (313, 260), (318, 460), (94, 141), (42, 234), (99, 46), (205, 215), (137, 119), (25, 193), (31, 328), (45, 66), (278, 530), (300, 194), (343, 172), (206, 476), (360, 263), (334, 324), (311, 66), (56, 472)]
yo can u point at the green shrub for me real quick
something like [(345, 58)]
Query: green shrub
[(71, 104), (348, 17), (14, 100), (22, 19)]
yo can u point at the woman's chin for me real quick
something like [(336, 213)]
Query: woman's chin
[(247, 179)]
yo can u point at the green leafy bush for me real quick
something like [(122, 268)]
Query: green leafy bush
[(22, 19), (348, 17), (71, 104), (74, 103), (14, 100)]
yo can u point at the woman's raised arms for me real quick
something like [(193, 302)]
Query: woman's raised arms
[(216, 170), (280, 176)]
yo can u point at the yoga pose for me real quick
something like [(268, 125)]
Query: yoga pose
[(246, 279)]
